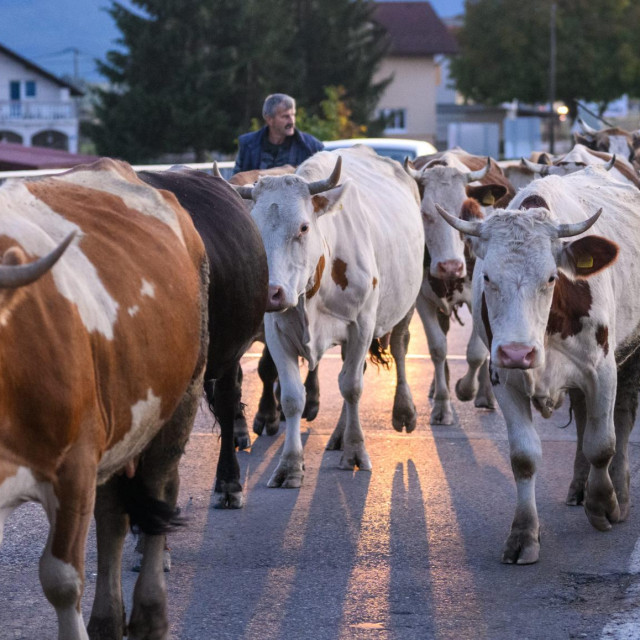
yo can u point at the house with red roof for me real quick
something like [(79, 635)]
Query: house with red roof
[(418, 40)]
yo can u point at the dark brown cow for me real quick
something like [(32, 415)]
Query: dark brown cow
[(238, 299), (115, 336)]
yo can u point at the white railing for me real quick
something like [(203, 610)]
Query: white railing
[(25, 110), (225, 169)]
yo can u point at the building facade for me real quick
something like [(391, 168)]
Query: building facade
[(418, 38), (36, 108)]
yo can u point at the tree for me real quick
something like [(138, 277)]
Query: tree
[(505, 44), (190, 75)]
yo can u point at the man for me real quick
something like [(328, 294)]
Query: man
[(279, 142)]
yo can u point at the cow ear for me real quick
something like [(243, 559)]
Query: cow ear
[(486, 194), (580, 139), (328, 201), (588, 255)]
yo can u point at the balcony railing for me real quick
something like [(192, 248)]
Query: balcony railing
[(32, 110)]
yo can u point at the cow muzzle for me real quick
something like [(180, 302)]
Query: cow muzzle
[(450, 270), (515, 355), (277, 299)]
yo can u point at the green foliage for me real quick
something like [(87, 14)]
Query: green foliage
[(505, 50), (191, 75)]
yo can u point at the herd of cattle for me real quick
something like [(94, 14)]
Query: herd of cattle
[(124, 295)]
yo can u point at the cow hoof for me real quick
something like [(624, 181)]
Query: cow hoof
[(405, 420), (521, 547), (148, 620), (242, 442), (262, 422), (464, 394), (107, 628), (288, 475), (442, 414), (575, 496), (311, 409), (228, 500), (483, 402), (602, 510), (355, 457)]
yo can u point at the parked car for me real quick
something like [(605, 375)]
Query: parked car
[(396, 148)]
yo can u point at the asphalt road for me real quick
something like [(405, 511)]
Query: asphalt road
[(409, 551)]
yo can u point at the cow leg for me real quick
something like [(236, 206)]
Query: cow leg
[(158, 471), (523, 543), (290, 470), (240, 430), (62, 562), (404, 410), (575, 496), (108, 618), (267, 416), (351, 383), (228, 490), (624, 417), (599, 444), (442, 412), (335, 441), (476, 382), (312, 388)]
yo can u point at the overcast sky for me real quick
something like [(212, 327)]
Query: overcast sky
[(48, 31)]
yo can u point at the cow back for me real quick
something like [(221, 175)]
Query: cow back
[(238, 265)]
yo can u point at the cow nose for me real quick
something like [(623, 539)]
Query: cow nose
[(276, 299), (450, 269), (516, 356)]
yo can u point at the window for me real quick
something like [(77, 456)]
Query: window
[(395, 120), (30, 89), (14, 90)]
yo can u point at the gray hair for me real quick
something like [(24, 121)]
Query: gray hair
[(274, 101)]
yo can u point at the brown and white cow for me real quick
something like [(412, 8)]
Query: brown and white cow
[(345, 266), (559, 314), (452, 177), (102, 359), (625, 144)]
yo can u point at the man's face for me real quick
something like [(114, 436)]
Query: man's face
[(283, 123)]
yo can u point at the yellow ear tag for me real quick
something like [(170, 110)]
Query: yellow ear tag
[(488, 199), (585, 262)]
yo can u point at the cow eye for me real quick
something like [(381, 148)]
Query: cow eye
[(486, 278), (552, 279), (304, 227)]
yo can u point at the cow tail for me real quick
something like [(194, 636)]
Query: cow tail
[(146, 513), (380, 356)]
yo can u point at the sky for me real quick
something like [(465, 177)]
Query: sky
[(60, 34)]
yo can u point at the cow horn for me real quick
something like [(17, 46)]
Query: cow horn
[(472, 176), (586, 128), (575, 228), (534, 167), (609, 165), (215, 171), (324, 185), (410, 169), (14, 276), (465, 226), (244, 191)]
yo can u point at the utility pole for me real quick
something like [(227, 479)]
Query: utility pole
[(552, 77)]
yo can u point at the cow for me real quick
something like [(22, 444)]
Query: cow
[(267, 418), (559, 314), (345, 266), (578, 158), (115, 334), (451, 177), (612, 140), (237, 303)]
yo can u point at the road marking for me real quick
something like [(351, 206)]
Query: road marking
[(625, 625)]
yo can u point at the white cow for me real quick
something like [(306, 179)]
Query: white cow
[(345, 266), (445, 179), (580, 157), (556, 319)]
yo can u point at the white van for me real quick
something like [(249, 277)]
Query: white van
[(396, 148)]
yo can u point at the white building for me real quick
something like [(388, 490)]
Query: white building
[(36, 107)]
